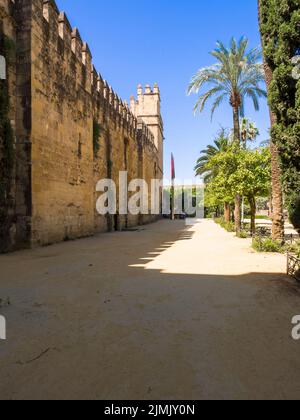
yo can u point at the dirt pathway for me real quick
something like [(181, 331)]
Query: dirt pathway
[(162, 313)]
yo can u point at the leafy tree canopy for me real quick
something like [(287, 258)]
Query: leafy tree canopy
[(280, 27), (237, 74), (240, 171)]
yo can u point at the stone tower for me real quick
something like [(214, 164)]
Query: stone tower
[(147, 108)]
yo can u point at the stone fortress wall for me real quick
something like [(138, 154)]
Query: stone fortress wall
[(71, 130)]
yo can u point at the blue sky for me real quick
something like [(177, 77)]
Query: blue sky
[(164, 41)]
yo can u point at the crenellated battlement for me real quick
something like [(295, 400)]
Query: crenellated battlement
[(71, 128), (147, 107), (59, 26), (64, 28), (56, 26), (70, 40)]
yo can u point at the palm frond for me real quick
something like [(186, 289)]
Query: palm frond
[(217, 103), (202, 100), (220, 144), (237, 73), (252, 94)]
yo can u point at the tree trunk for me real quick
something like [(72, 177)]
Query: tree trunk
[(277, 194), (237, 214), (238, 199), (227, 212), (252, 203), (236, 125)]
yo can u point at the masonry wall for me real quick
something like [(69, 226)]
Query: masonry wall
[(71, 130), (62, 132), (117, 147), (15, 154), (7, 120)]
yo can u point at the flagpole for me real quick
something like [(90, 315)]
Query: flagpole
[(173, 200), (173, 188)]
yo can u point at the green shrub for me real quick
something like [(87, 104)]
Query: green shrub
[(269, 245), (262, 217), (229, 226), (293, 248), (266, 245), (243, 235), (246, 227), (218, 220)]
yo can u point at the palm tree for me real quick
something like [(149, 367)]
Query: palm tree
[(238, 74), (277, 194), (221, 144), (249, 131)]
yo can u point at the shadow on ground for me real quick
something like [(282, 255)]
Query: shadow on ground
[(88, 320)]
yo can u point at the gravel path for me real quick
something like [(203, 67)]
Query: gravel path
[(166, 312)]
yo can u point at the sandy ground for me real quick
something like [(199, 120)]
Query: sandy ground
[(166, 312)]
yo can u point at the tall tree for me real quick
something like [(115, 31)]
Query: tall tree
[(221, 144), (277, 193), (244, 171), (237, 75)]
